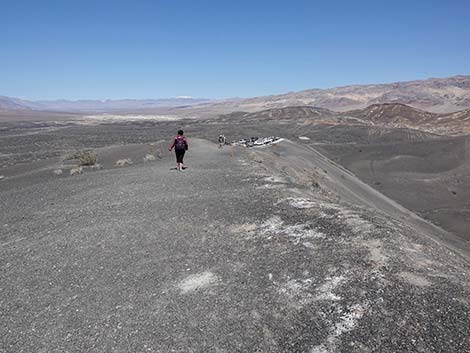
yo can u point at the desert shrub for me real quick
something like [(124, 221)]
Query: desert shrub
[(149, 157), (76, 171), (154, 151), (84, 157), (123, 162)]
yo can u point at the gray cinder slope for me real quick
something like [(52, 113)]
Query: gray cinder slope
[(241, 253)]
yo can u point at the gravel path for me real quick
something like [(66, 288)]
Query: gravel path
[(235, 254)]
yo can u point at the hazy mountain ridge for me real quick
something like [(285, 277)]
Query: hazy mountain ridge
[(10, 103), (438, 95)]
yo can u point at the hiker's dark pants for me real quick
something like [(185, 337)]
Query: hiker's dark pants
[(179, 156)]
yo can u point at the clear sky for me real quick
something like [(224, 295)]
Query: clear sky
[(99, 49)]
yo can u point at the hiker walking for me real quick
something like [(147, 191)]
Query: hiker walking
[(180, 144), (221, 140)]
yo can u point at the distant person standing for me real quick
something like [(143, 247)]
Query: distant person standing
[(221, 140), (180, 144)]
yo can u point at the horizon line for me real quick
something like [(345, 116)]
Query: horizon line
[(189, 97)]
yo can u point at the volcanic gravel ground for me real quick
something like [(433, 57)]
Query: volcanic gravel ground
[(238, 253)]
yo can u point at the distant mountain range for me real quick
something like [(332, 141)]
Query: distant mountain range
[(438, 95), (109, 105)]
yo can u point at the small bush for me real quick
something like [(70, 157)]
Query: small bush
[(154, 151), (76, 171), (84, 158), (149, 157), (123, 162)]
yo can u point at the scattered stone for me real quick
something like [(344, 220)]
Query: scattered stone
[(123, 162), (76, 171), (304, 138), (2, 177), (58, 172)]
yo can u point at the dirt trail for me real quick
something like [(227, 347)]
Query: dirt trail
[(239, 253)]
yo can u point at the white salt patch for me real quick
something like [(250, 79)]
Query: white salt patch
[(198, 281), (130, 117)]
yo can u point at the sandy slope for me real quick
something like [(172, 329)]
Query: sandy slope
[(241, 252)]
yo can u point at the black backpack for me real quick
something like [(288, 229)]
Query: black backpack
[(180, 144)]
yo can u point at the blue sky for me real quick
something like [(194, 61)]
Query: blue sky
[(215, 49)]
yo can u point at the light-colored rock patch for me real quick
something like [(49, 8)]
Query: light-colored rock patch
[(301, 203), (269, 186), (243, 228), (355, 222), (326, 290), (274, 179), (275, 226), (198, 281), (348, 321), (415, 279)]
